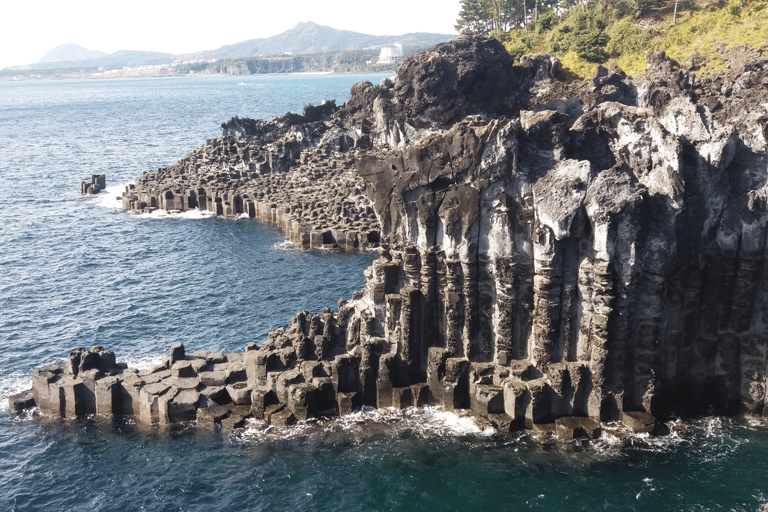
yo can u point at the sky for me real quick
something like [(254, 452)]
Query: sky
[(29, 29)]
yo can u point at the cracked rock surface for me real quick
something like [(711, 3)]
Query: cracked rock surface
[(552, 254)]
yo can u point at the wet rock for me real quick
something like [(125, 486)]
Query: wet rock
[(238, 415), (183, 406), (640, 422), (572, 428), (348, 403), (211, 415), (20, 402), (279, 415)]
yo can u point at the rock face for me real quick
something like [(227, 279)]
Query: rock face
[(288, 171), (203, 386), (97, 184), (548, 250)]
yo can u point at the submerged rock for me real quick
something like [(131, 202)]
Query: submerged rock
[(592, 250)]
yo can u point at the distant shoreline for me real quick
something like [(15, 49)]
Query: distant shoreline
[(90, 76)]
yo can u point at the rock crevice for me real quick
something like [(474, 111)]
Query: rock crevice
[(548, 251)]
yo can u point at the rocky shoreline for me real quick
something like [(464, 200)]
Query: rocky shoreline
[(552, 255), (289, 171)]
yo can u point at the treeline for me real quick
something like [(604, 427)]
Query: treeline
[(587, 33), (495, 17), (347, 61)]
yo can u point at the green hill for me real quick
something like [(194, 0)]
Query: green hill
[(620, 32)]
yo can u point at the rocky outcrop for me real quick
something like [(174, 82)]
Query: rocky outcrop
[(97, 184), (203, 386), (276, 171), (552, 254)]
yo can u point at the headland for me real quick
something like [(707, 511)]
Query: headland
[(553, 254)]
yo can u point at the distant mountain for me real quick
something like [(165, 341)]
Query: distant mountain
[(135, 58), (117, 59), (69, 53), (304, 38), (309, 37)]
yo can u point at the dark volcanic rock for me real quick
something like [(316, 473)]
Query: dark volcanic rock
[(468, 76), (590, 251)]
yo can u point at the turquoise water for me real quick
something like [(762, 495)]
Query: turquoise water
[(80, 271)]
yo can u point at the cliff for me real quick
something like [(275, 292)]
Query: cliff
[(548, 251)]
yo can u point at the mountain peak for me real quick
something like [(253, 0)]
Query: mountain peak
[(70, 52)]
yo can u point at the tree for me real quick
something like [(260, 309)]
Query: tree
[(674, 18), (475, 17), (590, 44), (487, 16)]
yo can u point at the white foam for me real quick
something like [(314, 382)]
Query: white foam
[(367, 422), (12, 383), (110, 197), (141, 362), (176, 214), (616, 437), (757, 423), (441, 422), (284, 245)]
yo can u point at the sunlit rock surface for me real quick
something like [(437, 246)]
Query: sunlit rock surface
[(591, 250)]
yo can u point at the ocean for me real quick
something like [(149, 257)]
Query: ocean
[(81, 271)]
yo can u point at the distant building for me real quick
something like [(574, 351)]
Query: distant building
[(390, 54)]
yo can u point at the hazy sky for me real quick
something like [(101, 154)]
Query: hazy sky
[(29, 29)]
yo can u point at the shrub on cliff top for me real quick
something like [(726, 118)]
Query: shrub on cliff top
[(621, 32)]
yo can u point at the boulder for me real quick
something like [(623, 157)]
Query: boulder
[(640, 422), (573, 427), (21, 402)]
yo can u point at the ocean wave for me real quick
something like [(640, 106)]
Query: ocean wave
[(176, 214), (12, 383), (284, 245), (616, 437), (711, 438), (428, 422), (111, 197), (141, 362)]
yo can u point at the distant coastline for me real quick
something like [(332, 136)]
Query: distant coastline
[(239, 67), (116, 76), (307, 48)]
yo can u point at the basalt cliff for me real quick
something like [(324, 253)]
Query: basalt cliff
[(551, 253)]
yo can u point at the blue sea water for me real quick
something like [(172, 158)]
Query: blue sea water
[(80, 271)]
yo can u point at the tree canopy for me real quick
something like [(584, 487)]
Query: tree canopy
[(489, 17), (586, 33)]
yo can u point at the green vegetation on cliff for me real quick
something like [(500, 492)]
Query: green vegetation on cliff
[(586, 33)]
